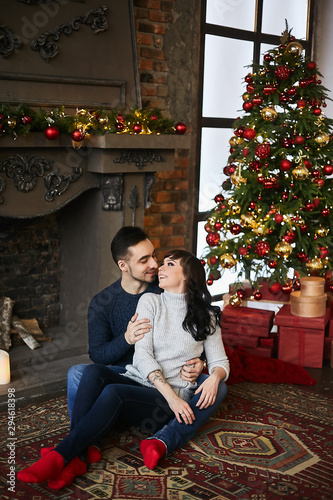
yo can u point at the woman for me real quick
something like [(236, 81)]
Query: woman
[(184, 324)]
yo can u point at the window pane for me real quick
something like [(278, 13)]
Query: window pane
[(223, 77), (232, 13), (214, 155), (275, 13)]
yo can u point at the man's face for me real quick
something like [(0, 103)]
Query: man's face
[(141, 262)]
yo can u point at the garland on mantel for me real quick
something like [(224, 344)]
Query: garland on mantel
[(22, 120)]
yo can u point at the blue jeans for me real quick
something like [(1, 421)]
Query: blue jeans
[(105, 396), (73, 380)]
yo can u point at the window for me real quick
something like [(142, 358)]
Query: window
[(234, 33)]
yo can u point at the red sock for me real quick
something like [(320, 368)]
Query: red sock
[(73, 469), (93, 455), (46, 468), (152, 450)]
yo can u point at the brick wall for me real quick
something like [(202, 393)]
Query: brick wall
[(167, 218)]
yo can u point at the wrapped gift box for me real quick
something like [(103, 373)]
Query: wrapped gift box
[(301, 346), (266, 351), (249, 330), (234, 339), (247, 316), (285, 318)]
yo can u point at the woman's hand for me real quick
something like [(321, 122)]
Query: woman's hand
[(209, 388), (136, 329), (181, 409), (191, 370)]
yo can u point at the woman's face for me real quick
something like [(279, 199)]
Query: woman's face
[(171, 276)]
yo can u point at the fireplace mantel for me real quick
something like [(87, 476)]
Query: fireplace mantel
[(39, 176)]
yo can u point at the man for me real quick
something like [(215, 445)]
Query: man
[(112, 323)]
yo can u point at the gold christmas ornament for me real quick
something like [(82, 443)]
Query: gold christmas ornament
[(239, 140), (283, 249), (322, 138), (294, 48), (269, 113), (235, 209), (315, 264), (260, 230), (322, 231), (233, 141), (227, 261), (246, 97), (11, 122), (235, 300), (300, 172), (248, 221)]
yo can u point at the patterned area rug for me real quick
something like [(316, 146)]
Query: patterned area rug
[(265, 442)]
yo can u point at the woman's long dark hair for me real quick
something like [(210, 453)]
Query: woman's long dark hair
[(199, 320)]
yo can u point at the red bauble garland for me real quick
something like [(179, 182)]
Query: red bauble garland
[(51, 133)]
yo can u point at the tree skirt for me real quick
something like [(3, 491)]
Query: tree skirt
[(265, 442)]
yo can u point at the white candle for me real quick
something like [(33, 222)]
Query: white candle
[(4, 368)]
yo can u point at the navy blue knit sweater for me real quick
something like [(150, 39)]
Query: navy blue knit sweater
[(108, 316)]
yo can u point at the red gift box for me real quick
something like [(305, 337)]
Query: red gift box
[(330, 329), (247, 316), (234, 339), (301, 346), (285, 318), (266, 352), (249, 330)]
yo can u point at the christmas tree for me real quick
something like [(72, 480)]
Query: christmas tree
[(273, 218)]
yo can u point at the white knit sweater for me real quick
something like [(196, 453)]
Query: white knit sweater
[(168, 346)]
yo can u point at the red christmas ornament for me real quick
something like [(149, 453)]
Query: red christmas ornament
[(218, 198), (255, 165), (209, 282), (285, 164), (249, 78), (154, 117), (317, 111), (263, 150), (26, 120), (180, 128), (250, 88), (311, 65), (247, 106), (302, 256), (51, 133), (299, 140), (262, 248), (249, 134), (292, 92), (287, 288), (203, 262), (316, 173), (257, 296), (267, 57), (278, 218), (287, 143), (120, 126), (327, 169), (301, 103), (257, 100), (78, 135), (316, 202), (272, 264), (212, 239), (309, 206), (297, 285), (120, 118), (304, 228), (275, 288), (307, 164), (212, 260), (289, 237), (269, 89), (242, 251), (241, 293), (235, 229), (282, 72), (245, 152), (324, 252), (218, 225), (239, 131), (137, 128)]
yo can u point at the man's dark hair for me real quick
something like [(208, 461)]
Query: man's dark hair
[(126, 237)]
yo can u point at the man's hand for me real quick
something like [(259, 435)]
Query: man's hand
[(136, 329), (191, 371)]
